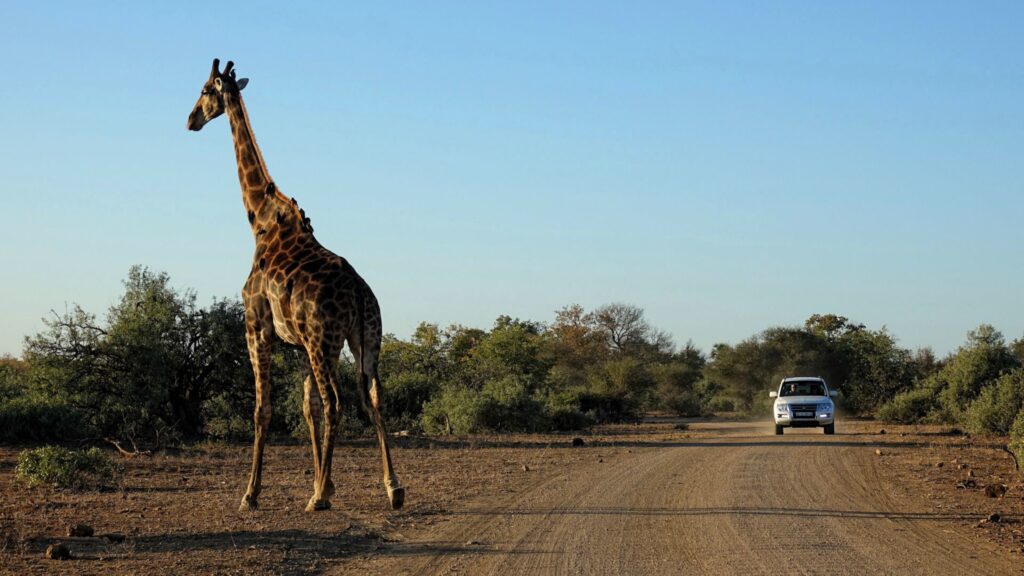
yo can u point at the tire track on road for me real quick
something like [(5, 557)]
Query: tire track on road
[(737, 503)]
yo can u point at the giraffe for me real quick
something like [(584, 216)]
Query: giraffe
[(305, 295)]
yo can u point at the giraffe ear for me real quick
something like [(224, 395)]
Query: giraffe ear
[(242, 83), (218, 84)]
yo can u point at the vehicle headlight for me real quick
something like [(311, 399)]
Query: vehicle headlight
[(782, 408), (825, 408)]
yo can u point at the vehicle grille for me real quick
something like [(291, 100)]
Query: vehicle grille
[(803, 410)]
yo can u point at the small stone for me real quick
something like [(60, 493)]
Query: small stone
[(473, 543), (878, 451), (995, 517), (526, 468), (963, 466), (576, 442), (970, 473), (995, 490), (882, 431), (80, 530), (58, 552), (940, 464), (600, 460)]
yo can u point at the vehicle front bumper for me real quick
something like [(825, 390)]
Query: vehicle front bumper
[(818, 420)]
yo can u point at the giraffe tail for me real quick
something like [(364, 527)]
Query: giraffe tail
[(361, 368)]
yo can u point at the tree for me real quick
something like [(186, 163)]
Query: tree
[(147, 370), (13, 377), (678, 384), (982, 360), (623, 325), (875, 368), (576, 337), (627, 332), (831, 325)]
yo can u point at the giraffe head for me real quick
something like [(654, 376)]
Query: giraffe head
[(211, 99)]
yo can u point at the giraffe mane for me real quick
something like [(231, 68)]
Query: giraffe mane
[(279, 196)]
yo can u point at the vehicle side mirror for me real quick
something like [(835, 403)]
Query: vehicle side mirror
[(773, 394), (833, 393)]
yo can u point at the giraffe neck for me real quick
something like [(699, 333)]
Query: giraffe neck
[(252, 171), (271, 214)]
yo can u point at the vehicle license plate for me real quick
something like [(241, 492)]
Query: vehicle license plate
[(805, 414)]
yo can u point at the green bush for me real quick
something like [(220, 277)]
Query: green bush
[(508, 406), (64, 468), (225, 422), (505, 404), (609, 407), (997, 406), (1017, 437), (454, 411), (685, 403), (909, 407), (404, 397), (563, 410), (25, 419), (974, 367), (722, 404)]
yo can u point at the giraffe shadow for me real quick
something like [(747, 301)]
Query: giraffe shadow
[(300, 551)]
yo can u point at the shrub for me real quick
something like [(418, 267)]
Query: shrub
[(609, 407), (976, 365), (722, 404), (685, 403), (28, 419), (508, 406), (224, 422), (404, 397), (909, 407), (454, 411), (1017, 438), (505, 404), (64, 468), (563, 410), (997, 406)]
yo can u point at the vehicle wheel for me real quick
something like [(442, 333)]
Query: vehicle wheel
[(830, 428), (778, 430)]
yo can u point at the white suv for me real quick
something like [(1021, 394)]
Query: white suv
[(804, 402)]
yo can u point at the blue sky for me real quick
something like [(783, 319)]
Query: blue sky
[(728, 166)]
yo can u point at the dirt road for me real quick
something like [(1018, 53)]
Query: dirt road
[(738, 501)]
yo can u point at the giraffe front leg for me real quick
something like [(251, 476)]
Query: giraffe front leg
[(258, 342), (311, 409)]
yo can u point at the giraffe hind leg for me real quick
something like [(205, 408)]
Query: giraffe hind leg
[(370, 393), (322, 365)]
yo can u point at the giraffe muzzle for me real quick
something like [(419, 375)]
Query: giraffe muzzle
[(196, 121)]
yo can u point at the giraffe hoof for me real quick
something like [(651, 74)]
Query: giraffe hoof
[(248, 504), (315, 505), (397, 497)]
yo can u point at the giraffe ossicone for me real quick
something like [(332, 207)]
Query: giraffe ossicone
[(302, 294)]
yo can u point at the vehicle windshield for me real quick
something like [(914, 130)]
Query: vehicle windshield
[(803, 388)]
